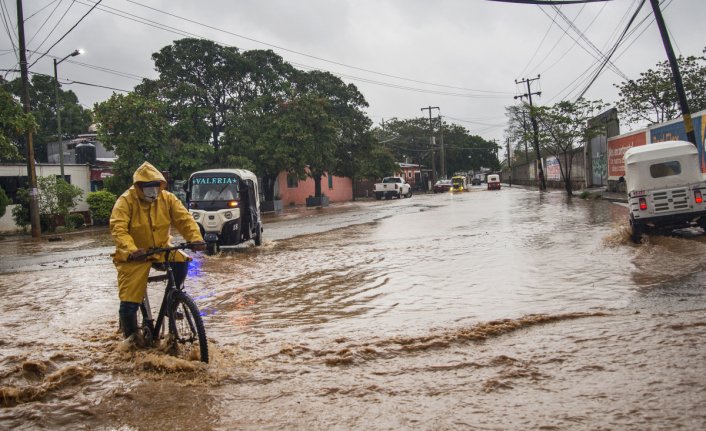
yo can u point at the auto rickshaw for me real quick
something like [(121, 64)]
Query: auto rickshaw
[(225, 204), (493, 182), (459, 183)]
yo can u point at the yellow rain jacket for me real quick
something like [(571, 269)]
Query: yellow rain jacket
[(136, 223)]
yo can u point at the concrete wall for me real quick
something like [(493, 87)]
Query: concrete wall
[(341, 190), (80, 176), (526, 173)]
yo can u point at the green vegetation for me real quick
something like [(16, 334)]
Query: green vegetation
[(101, 204), (55, 197), (4, 202), (652, 98)]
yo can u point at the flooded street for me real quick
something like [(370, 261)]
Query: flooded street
[(482, 310)]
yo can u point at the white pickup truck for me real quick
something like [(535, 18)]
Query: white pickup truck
[(392, 187), (665, 188)]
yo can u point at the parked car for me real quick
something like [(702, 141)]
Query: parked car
[(475, 181), (392, 187), (665, 188), (442, 186), (493, 182)]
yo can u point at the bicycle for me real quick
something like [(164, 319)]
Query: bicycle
[(187, 335)]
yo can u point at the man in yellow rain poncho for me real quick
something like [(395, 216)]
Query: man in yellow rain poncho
[(140, 220)]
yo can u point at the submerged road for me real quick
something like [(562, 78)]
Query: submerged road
[(481, 310)]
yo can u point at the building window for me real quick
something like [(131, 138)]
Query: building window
[(330, 181), (11, 184), (292, 181)]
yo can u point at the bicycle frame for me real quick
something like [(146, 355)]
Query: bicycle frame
[(156, 327), (178, 313)]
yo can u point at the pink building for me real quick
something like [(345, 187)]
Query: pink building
[(293, 191)]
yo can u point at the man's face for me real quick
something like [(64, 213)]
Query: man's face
[(150, 191)]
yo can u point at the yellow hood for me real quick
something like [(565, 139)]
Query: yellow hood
[(146, 173)]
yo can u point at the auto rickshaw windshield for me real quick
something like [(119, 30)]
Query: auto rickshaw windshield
[(214, 188)]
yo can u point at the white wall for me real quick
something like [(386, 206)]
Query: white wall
[(80, 177)]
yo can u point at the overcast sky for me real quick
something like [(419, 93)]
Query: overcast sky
[(462, 56)]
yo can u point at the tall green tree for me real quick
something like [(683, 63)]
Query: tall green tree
[(268, 134), (200, 81), (75, 119), (14, 123), (342, 131), (519, 131), (652, 98), (136, 129), (564, 128)]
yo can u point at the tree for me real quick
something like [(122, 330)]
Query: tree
[(268, 135), (519, 130), (55, 197), (4, 201), (14, 123), (652, 98), (74, 118), (563, 127), (341, 131), (466, 152), (136, 129)]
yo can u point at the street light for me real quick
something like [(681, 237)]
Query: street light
[(58, 114)]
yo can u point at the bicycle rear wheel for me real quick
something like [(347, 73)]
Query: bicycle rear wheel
[(186, 330)]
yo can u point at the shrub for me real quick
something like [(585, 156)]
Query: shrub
[(20, 213), (101, 204), (75, 220), (4, 202)]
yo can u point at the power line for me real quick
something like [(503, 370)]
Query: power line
[(539, 46), (574, 44), (47, 20), (588, 41), (584, 76), (308, 55), (41, 9), (67, 33), (615, 47)]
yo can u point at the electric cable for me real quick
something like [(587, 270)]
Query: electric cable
[(41, 9), (305, 54), (47, 20), (538, 47), (65, 34), (569, 49), (600, 69)]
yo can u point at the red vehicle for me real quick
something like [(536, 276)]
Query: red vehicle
[(442, 186), (494, 182)]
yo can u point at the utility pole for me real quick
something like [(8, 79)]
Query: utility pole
[(509, 162), (683, 104), (524, 137), (431, 144), (443, 151), (535, 128), (31, 174)]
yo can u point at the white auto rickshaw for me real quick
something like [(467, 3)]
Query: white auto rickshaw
[(665, 188), (225, 203)]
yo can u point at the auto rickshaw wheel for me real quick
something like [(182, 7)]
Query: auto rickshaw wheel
[(211, 248), (636, 232), (258, 235)]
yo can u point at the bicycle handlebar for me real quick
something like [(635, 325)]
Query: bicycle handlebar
[(151, 251)]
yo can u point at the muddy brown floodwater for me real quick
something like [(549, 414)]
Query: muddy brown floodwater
[(483, 310)]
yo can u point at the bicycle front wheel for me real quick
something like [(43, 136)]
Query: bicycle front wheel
[(186, 330)]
